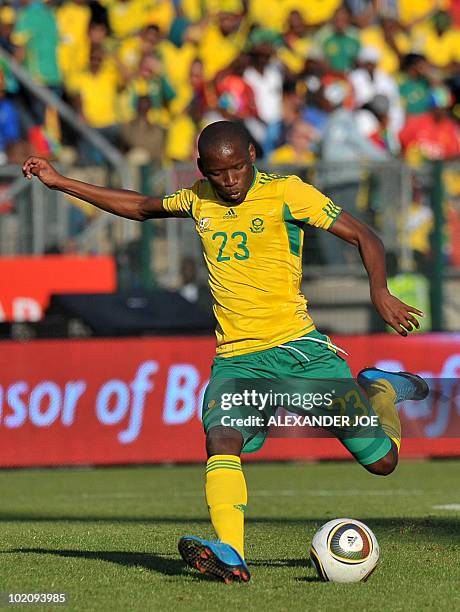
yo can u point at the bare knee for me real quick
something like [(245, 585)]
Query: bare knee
[(223, 441), (386, 465)]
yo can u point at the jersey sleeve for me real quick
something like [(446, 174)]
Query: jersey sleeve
[(180, 203), (302, 202)]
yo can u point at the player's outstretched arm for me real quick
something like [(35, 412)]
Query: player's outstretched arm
[(121, 202), (397, 314)]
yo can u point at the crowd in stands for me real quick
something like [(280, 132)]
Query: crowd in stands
[(322, 79), (311, 80)]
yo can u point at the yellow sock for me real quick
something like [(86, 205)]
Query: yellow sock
[(382, 397), (227, 497)]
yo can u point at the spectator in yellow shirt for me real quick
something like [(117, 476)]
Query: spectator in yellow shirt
[(412, 11), (196, 10), (151, 81), (134, 48), (95, 97), (273, 14), (177, 52), (318, 12), (390, 38), (222, 42), (97, 37), (161, 13), (127, 17), (297, 43), (438, 41), (298, 148), (183, 130), (73, 19)]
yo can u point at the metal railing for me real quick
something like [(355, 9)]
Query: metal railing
[(118, 170), (379, 194), (33, 219)]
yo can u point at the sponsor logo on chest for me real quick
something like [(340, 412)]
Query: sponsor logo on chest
[(230, 215)]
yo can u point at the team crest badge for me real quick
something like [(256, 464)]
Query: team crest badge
[(204, 224), (257, 225)]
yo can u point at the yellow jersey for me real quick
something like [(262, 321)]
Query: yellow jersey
[(217, 51), (438, 50), (372, 36), (410, 11), (73, 20), (286, 154), (99, 95), (275, 13), (253, 253)]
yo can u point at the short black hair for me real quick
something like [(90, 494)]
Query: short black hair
[(411, 59), (223, 134)]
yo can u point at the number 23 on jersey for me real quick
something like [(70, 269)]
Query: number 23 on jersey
[(231, 246)]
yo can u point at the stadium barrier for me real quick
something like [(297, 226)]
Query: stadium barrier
[(127, 401)]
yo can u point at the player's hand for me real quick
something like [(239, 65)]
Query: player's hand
[(42, 169), (397, 314)]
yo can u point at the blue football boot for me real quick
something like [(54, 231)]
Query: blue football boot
[(407, 386), (215, 559)]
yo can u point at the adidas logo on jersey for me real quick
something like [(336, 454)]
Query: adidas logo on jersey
[(230, 214)]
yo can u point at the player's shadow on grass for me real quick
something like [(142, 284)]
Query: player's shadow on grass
[(162, 564), (302, 564)]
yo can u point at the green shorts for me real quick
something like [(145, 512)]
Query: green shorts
[(295, 361)]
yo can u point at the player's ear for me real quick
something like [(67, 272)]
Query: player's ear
[(199, 163), (252, 153)]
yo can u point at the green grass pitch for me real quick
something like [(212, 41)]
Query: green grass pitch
[(108, 537)]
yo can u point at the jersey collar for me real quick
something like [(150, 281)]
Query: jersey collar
[(255, 176)]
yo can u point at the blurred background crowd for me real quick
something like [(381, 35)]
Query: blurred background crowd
[(322, 79), (322, 86)]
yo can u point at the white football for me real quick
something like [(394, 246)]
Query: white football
[(344, 550)]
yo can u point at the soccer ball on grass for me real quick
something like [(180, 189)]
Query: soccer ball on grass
[(344, 550)]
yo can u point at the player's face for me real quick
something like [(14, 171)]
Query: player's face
[(230, 172)]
